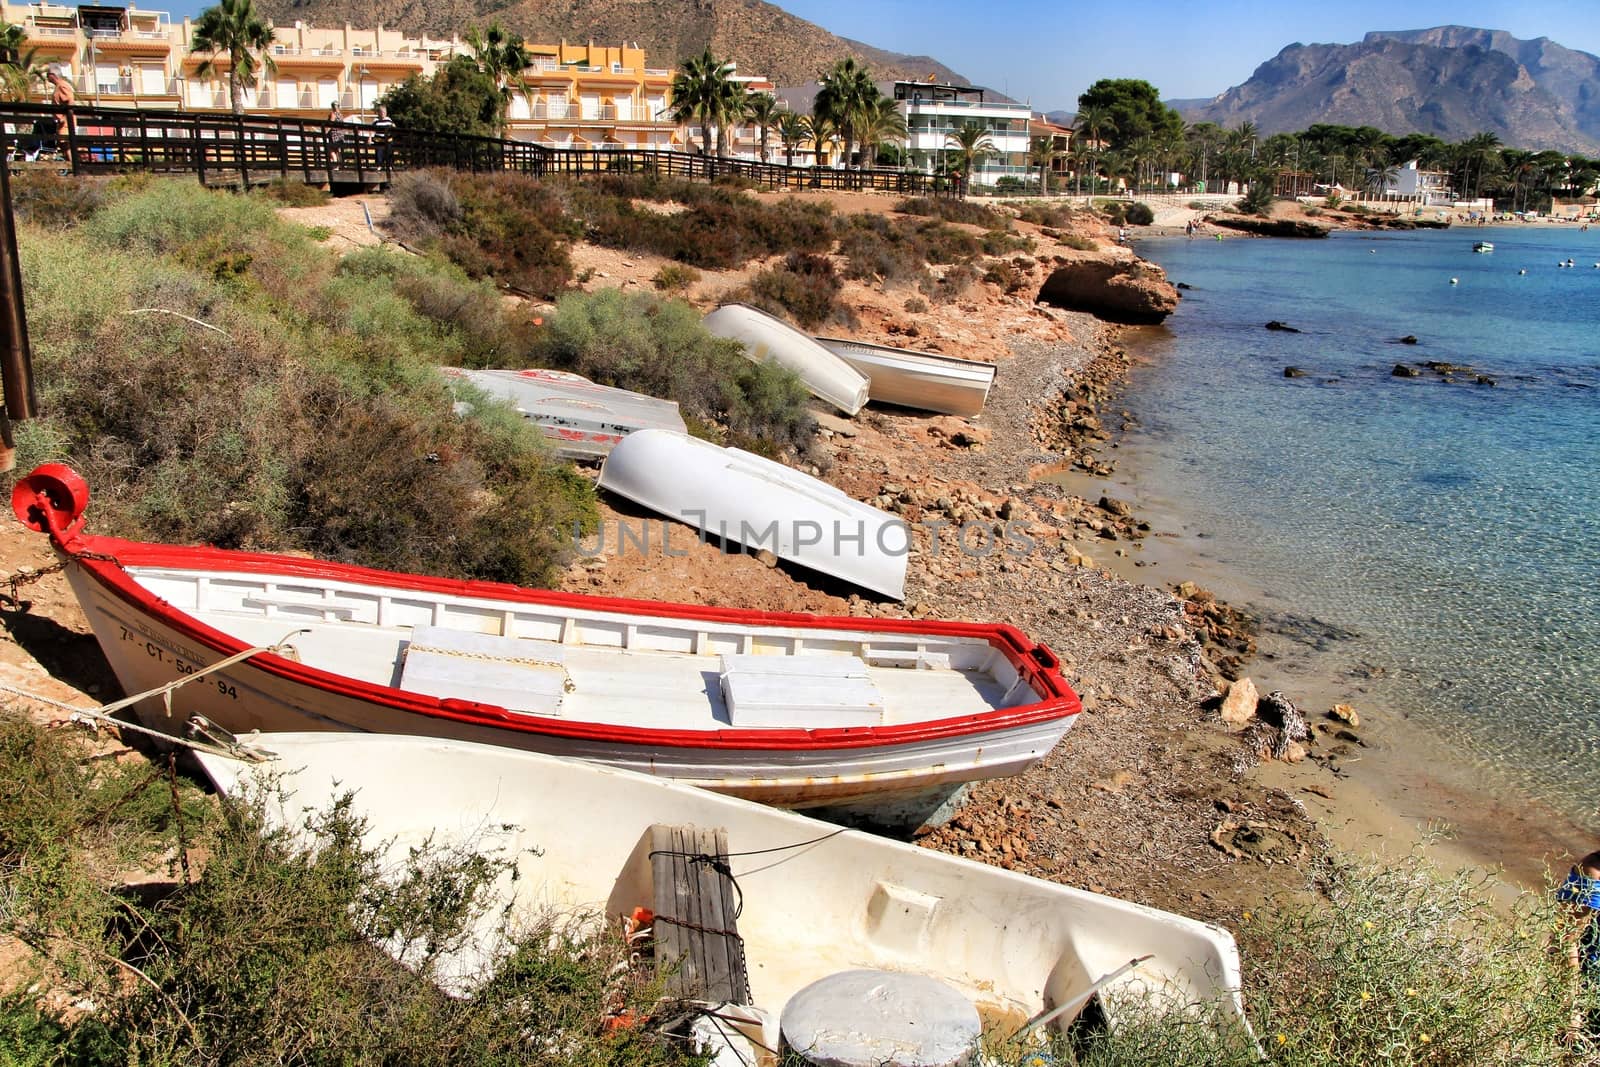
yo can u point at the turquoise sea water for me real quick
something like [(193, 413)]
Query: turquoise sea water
[(1452, 529)]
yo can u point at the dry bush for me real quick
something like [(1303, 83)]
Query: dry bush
[(804, 288), (952, 210)]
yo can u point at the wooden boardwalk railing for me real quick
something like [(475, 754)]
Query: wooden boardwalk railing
[(254, 149)]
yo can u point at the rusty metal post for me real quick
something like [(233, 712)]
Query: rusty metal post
[(16, 365)]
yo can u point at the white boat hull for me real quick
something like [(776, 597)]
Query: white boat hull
[(767, 339), (893, 786), (753, 502), (816, 900), (926, 381), (579, 419)]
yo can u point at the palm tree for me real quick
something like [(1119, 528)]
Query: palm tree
[(704, 91), (969, 146), (762, 110), (234, 29), (1381, 179), (821, 132), (1479, 149), (845, 93), (1094, 123), (20, 69), (881, 121), (793, 130), (502, 56), (1041, 153)]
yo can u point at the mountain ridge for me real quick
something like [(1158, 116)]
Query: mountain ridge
[(760, 37), (1450, 81)]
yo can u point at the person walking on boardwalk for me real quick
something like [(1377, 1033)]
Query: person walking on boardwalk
[(335, 136), (382, 131), (62, 96)]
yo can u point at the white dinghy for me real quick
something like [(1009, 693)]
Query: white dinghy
[(750, 501), (927, 381), (579, 419), (750, 905), (768, 339)]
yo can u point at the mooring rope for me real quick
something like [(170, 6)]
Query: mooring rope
[(106, 712)]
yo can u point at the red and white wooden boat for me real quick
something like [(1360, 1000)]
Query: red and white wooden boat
[(882, 720)]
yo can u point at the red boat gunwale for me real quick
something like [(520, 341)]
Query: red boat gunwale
[(1034, 661)]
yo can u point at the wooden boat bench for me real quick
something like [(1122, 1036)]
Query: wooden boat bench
[(697, 904)]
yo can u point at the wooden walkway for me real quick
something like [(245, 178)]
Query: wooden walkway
[(248, 150)]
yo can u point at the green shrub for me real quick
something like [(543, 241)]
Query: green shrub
[(1313, 212), (675, 278), (878, 247), (422, 204), (1258, 201), (1391, 963), (271, 955), (1054, 215), (1358, 209), (999, 242), (514, 230), (1140, 214), (710, 226), (48, 199), (804, 288), (916, 305), (1079, 241), (952, 210), (1007, 277), (301, 409), (294, 193), (642, 342), (955, 280), (1199, 205)]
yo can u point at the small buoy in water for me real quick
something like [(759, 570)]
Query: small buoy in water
[(1372, 251), (1524, 271), (1455, 281)]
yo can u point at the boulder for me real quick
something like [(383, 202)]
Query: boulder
[(1293, 372), (1409, 339), (1345, 714), (1403, 371), (1239, 706), (1123, 291), (1281, 327), (1270, 227)]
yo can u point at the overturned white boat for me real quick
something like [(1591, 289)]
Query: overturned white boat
[(767, 339), (927, 381), (580, 420), (749, 905), (746, 500)]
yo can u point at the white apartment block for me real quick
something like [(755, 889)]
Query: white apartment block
[(935, 111)]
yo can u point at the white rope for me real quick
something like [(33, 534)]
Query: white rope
[(105, 713)]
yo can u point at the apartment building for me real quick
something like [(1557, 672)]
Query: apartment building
[(575, 96), (1426, 187), (934, 111)]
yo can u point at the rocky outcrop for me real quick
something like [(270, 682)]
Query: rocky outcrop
[(1118, 290), (1268, 227)]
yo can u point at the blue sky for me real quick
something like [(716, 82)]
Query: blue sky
[(1046, 52)]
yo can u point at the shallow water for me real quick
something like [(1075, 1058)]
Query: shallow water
[(1451, 528)]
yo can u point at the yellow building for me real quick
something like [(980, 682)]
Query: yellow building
[(573, 95)]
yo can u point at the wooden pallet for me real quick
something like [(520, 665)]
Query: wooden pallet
[(698, 947)]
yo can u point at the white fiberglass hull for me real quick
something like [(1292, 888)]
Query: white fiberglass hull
[(926, 381), (754, 502), (579, 419), (767, 339), (815, 900)]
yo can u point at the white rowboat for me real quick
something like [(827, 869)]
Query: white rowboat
[(744, 499), (882, 719), (815, 900), (767, 339), (579, 419), (927, 381)]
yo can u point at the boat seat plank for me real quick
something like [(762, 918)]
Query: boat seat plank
[(809, 691), (515, 673), (696, 906)]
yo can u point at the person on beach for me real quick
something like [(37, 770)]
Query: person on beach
[(1581, 891)]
